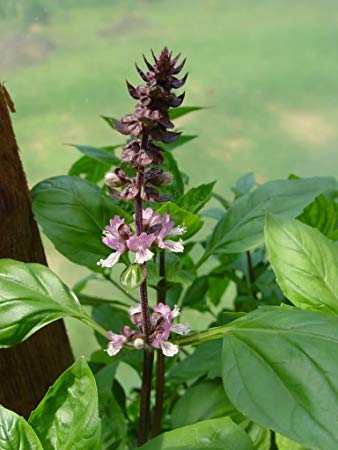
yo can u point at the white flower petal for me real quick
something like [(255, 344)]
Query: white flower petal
[(180, 328), (177, 231), (110, 261), (113, 349), (175, 312), (135, 309), (173, 246), (143, 256), (168, 348)]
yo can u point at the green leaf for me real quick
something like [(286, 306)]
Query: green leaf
[(114, 429), (285, 443), (206, 360), (286, 357), (261, 437), (104, 154), (109, 318), (73, 212), (176, 188), (305, 263), (110, 121), (183, 218), (244, 184), (320, 214), (195, 295), (16, 433), (92, 170), (175, 113), (31, 296), (183, 139), (90, 300), (217, 287), (67, 418), (190, 409), (242, 227), (196, 198), (215, 434), (132, 277)]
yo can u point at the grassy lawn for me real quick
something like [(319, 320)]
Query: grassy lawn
[(268, 70)]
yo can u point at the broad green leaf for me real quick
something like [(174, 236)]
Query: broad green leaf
[(285, 357), (242, 227), (104, 154), (214, 434), (206, 360), (114, 429), (183, 218), (67, 417), (244, 184), (196, 198), (181, 111), (190, 409), (31, 296), (305, 263), (284, 443), (321, 214), (132, 277), (92, 170), (213, 213), (16, 433), (73, 212)]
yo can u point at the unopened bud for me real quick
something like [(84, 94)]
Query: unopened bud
[(126, 331), (112, 180), (139, 343), (163, 179)]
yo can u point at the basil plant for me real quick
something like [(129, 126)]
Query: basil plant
[(223, 308)]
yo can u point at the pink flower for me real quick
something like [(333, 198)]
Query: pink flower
[(140, 245), (116, 342), (116, 234), (163, 317), (161, 328)]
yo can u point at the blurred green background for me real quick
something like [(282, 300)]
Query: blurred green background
[(268, 70)]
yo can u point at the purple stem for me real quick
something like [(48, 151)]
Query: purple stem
[(148, 354), (161, 294)]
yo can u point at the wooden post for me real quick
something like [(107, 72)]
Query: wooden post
[(28, 369)]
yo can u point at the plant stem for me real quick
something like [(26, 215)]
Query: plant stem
[(160, 370), (144, 421), (251, 274), (133, 299), (148, 354)]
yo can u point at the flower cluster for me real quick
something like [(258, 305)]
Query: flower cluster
[(119, 236), (154, 177), (148, 125), (161, 326), (155, 98)]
